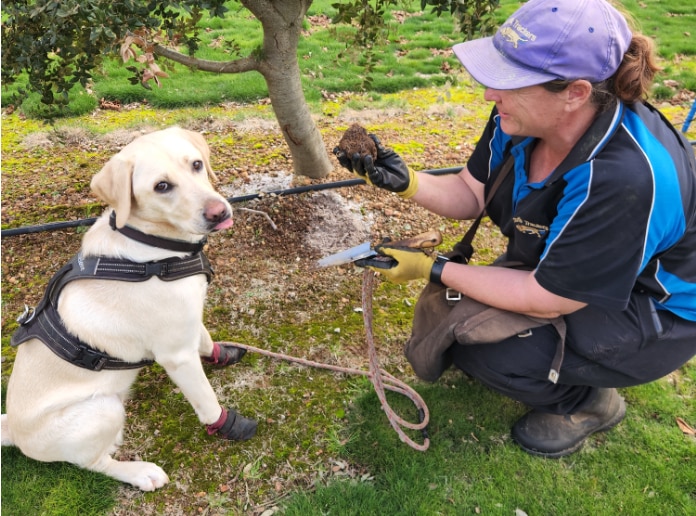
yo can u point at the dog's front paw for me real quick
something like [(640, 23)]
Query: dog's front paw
[(224, 355), (150, 477), (146, 476)]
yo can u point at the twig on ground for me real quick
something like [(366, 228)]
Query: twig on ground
[(263, 213)]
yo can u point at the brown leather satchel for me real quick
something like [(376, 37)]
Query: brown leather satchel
[(444, 316)]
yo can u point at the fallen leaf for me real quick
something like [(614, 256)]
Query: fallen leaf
[(685, 427)]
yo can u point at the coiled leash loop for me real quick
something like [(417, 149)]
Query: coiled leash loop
[(381, 380)]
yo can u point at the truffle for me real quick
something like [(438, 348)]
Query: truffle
[(355, 140)]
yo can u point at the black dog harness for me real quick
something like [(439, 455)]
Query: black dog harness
[(44, 322)]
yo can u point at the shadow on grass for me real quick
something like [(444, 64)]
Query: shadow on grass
[(30, 487), (643, 466), (646, 465), (33, 488)]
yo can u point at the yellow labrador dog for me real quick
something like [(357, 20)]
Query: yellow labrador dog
[(134, 294)]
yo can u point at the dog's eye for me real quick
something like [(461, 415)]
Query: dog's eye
[(162, 187), (197, 165)]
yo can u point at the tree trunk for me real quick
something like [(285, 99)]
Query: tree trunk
[(282, 24)]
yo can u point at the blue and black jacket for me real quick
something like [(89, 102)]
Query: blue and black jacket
[(617, 216)]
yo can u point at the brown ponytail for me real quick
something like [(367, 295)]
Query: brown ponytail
[(633, 79)]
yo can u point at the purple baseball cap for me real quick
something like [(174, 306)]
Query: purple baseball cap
[(546, 40)]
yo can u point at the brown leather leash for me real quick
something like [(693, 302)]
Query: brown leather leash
[(381, 380)]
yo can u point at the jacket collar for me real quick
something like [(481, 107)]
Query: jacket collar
[(592, 142)]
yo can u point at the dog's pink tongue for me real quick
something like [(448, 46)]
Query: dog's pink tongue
[(227, 223)]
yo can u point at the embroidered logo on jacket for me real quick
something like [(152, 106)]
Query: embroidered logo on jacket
[(530, 228)]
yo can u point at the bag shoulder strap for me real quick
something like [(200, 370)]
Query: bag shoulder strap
[(464, 247)]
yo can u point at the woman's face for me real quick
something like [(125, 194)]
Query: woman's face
[(531, 111)]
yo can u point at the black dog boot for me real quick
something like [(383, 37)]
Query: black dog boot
[(553, 435), (224, 355), (233, 426)]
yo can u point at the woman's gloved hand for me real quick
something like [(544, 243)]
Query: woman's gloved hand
[(411, 263), (388, 171)]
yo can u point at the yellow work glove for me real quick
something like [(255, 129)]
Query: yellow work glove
[(411, 264)]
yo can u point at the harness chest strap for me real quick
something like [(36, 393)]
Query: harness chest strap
[(48, 327), (124, 270), (44, 322)]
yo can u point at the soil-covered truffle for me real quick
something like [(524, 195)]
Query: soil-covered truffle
[(355, 140)]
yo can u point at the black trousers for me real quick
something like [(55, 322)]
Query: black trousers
[(603, 349)]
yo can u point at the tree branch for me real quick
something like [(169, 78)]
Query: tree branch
[(245, 64)]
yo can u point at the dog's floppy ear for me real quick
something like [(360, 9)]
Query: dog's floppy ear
[(199, 142), (113, 184)]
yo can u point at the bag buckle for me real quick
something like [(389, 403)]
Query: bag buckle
[(553, 376), (453, 295)]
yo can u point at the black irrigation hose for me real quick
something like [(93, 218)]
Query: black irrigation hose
[(52, 226)]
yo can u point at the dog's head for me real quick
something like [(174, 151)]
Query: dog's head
[(161, 182)]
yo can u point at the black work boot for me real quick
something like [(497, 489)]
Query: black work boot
[(554, 435)]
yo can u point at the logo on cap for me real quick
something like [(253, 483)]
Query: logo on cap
[(511, 36), (516, 33)]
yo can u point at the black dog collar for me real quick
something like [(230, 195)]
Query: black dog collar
[(155, 241)]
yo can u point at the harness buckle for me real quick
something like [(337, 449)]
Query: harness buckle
[(89, 359), (156, 269), (27, 315)]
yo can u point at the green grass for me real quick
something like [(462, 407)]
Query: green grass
[(31, 488), (322, 68), (408, 59), (643, 466), (670, 23)]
